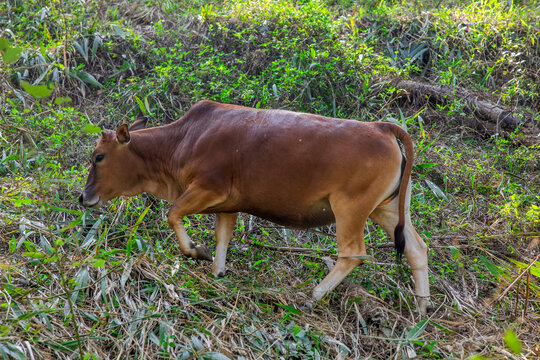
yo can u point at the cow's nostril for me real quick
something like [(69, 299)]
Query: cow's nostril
[(81, 199)]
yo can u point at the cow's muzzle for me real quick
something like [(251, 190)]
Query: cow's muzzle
[(93, 203)]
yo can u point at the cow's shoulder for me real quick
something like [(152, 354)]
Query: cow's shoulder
[(204, 109)]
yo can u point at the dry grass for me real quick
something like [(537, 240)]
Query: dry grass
[(134, 303), (112, 283)]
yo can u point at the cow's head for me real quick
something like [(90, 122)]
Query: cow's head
[(112, 170)]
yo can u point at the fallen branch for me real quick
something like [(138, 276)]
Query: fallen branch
[(490, 117)]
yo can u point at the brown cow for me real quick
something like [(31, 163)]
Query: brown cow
[(297, 170)]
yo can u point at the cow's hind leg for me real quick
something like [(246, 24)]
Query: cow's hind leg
[(387, 217), (225, 223), (194, 200), (350, 224)]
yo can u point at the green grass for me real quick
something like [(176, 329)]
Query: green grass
[(112, 282)]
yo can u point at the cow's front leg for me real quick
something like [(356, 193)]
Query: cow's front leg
[(187, 246), (225, 223), (193, 201)]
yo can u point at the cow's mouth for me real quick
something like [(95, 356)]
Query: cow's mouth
[(90, 203)]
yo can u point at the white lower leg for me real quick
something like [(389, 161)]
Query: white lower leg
[(421, 284), (416, 253), (343, 267), (187, 246), (224, 227)]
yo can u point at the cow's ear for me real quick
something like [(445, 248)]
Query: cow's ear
[(139, 124), (122, 134)]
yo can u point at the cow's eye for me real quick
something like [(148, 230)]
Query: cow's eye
[(99, 157)]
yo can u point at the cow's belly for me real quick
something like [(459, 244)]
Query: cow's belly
[(318, 214), (315, 215)]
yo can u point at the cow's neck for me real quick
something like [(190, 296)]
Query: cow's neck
[(156, 149)]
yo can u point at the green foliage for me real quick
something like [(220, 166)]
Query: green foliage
[(92, 129), (477, 357), (72, 68), (512, 342), (85, 78), (37, 91), (10, 54)]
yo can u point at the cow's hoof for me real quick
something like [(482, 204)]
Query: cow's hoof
[(218, 270), (424, 305), (219, 274), (318, 294), (202, 253), (307, 306)]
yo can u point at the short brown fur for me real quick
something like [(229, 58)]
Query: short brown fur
[(295, 169)]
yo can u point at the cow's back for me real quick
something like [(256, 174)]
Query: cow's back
[(249, 153)]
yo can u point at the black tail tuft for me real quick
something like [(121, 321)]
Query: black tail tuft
[(399, 241)]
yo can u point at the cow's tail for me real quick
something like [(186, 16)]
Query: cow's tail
[(405, 139)]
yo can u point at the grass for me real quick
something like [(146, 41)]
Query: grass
[(112, 283)]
